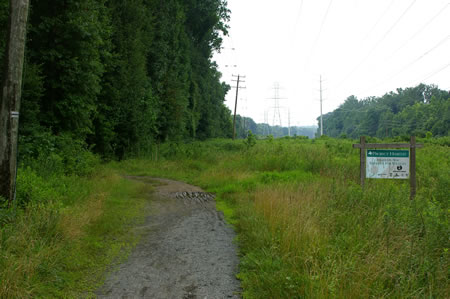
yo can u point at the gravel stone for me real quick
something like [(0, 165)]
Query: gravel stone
[(187, 249)]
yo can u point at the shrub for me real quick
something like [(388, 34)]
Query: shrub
[(251, 140), (52, 155)]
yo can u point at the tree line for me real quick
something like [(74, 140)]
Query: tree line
[(422, 111), (245, 124), (120, 76)]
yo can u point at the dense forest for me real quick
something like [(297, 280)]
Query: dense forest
[(421, 111), (118, 76)]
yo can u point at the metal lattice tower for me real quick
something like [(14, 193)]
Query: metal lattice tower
[(276, 104), (276, 120)]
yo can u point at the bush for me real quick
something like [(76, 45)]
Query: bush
[(49, 154), (32, 188), (251, 140)]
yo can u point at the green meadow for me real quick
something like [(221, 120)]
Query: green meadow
[(305, 227)]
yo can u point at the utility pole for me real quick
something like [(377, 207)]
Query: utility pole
[(289, 122), (245, 126), (321, 116), (235, 103), (10, 97), (266, 123)]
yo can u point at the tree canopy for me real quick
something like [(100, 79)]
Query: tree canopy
[(412, 111), (120, 76)]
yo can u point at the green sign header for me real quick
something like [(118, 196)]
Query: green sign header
[(388, 153)]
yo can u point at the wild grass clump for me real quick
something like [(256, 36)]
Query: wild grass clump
[(64, 231), (305, 227)]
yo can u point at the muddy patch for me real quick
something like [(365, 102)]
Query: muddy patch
[(186, 251)]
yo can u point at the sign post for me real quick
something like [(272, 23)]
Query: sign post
[(377, 162)]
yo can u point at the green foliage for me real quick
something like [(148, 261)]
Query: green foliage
[(123, 76), (67, 40), (243, 124), (251, 140), (52, 155), (34, 189), (307, 229), (67, 234), (411, 111)]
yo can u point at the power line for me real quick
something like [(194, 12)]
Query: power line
[(440, 43), (435, 72), (378, 21), (297, 21), (377, 44), (420, 30), (320, 31), (396, 22)]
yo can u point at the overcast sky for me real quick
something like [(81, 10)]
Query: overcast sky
[(359, 47)]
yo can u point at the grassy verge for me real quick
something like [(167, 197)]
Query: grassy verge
[(69, 233), (307, 229)]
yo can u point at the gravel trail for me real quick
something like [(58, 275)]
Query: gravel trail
[(186, 251)]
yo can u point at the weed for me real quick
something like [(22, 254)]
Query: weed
[(307, 229), (67, 233)]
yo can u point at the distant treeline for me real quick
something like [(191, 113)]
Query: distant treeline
[(421, 111), (119, 76), (244, 124)]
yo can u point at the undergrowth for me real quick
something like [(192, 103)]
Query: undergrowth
[(67, 227), (305, 227)]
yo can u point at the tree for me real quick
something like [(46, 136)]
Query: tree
[(119, 76), (410, 111), (10, 97)]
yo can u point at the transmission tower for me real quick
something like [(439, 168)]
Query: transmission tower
[(276, 105)]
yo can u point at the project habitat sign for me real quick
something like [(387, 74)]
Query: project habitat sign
[(387, 164)]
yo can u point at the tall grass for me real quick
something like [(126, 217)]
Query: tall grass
[(66, 232), (307, 229)]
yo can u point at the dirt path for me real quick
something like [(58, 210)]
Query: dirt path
[(186, 251)]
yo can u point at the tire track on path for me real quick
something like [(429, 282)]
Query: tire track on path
[(186, 250)]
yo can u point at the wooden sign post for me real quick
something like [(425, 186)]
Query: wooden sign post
[(389, 164)]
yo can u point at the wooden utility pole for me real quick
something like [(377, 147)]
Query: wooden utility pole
[(362, 160), (235, 103), (412, 166), (10, 97), (289, 122), (321, 100)]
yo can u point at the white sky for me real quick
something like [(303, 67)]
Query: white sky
[(360, 47)]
